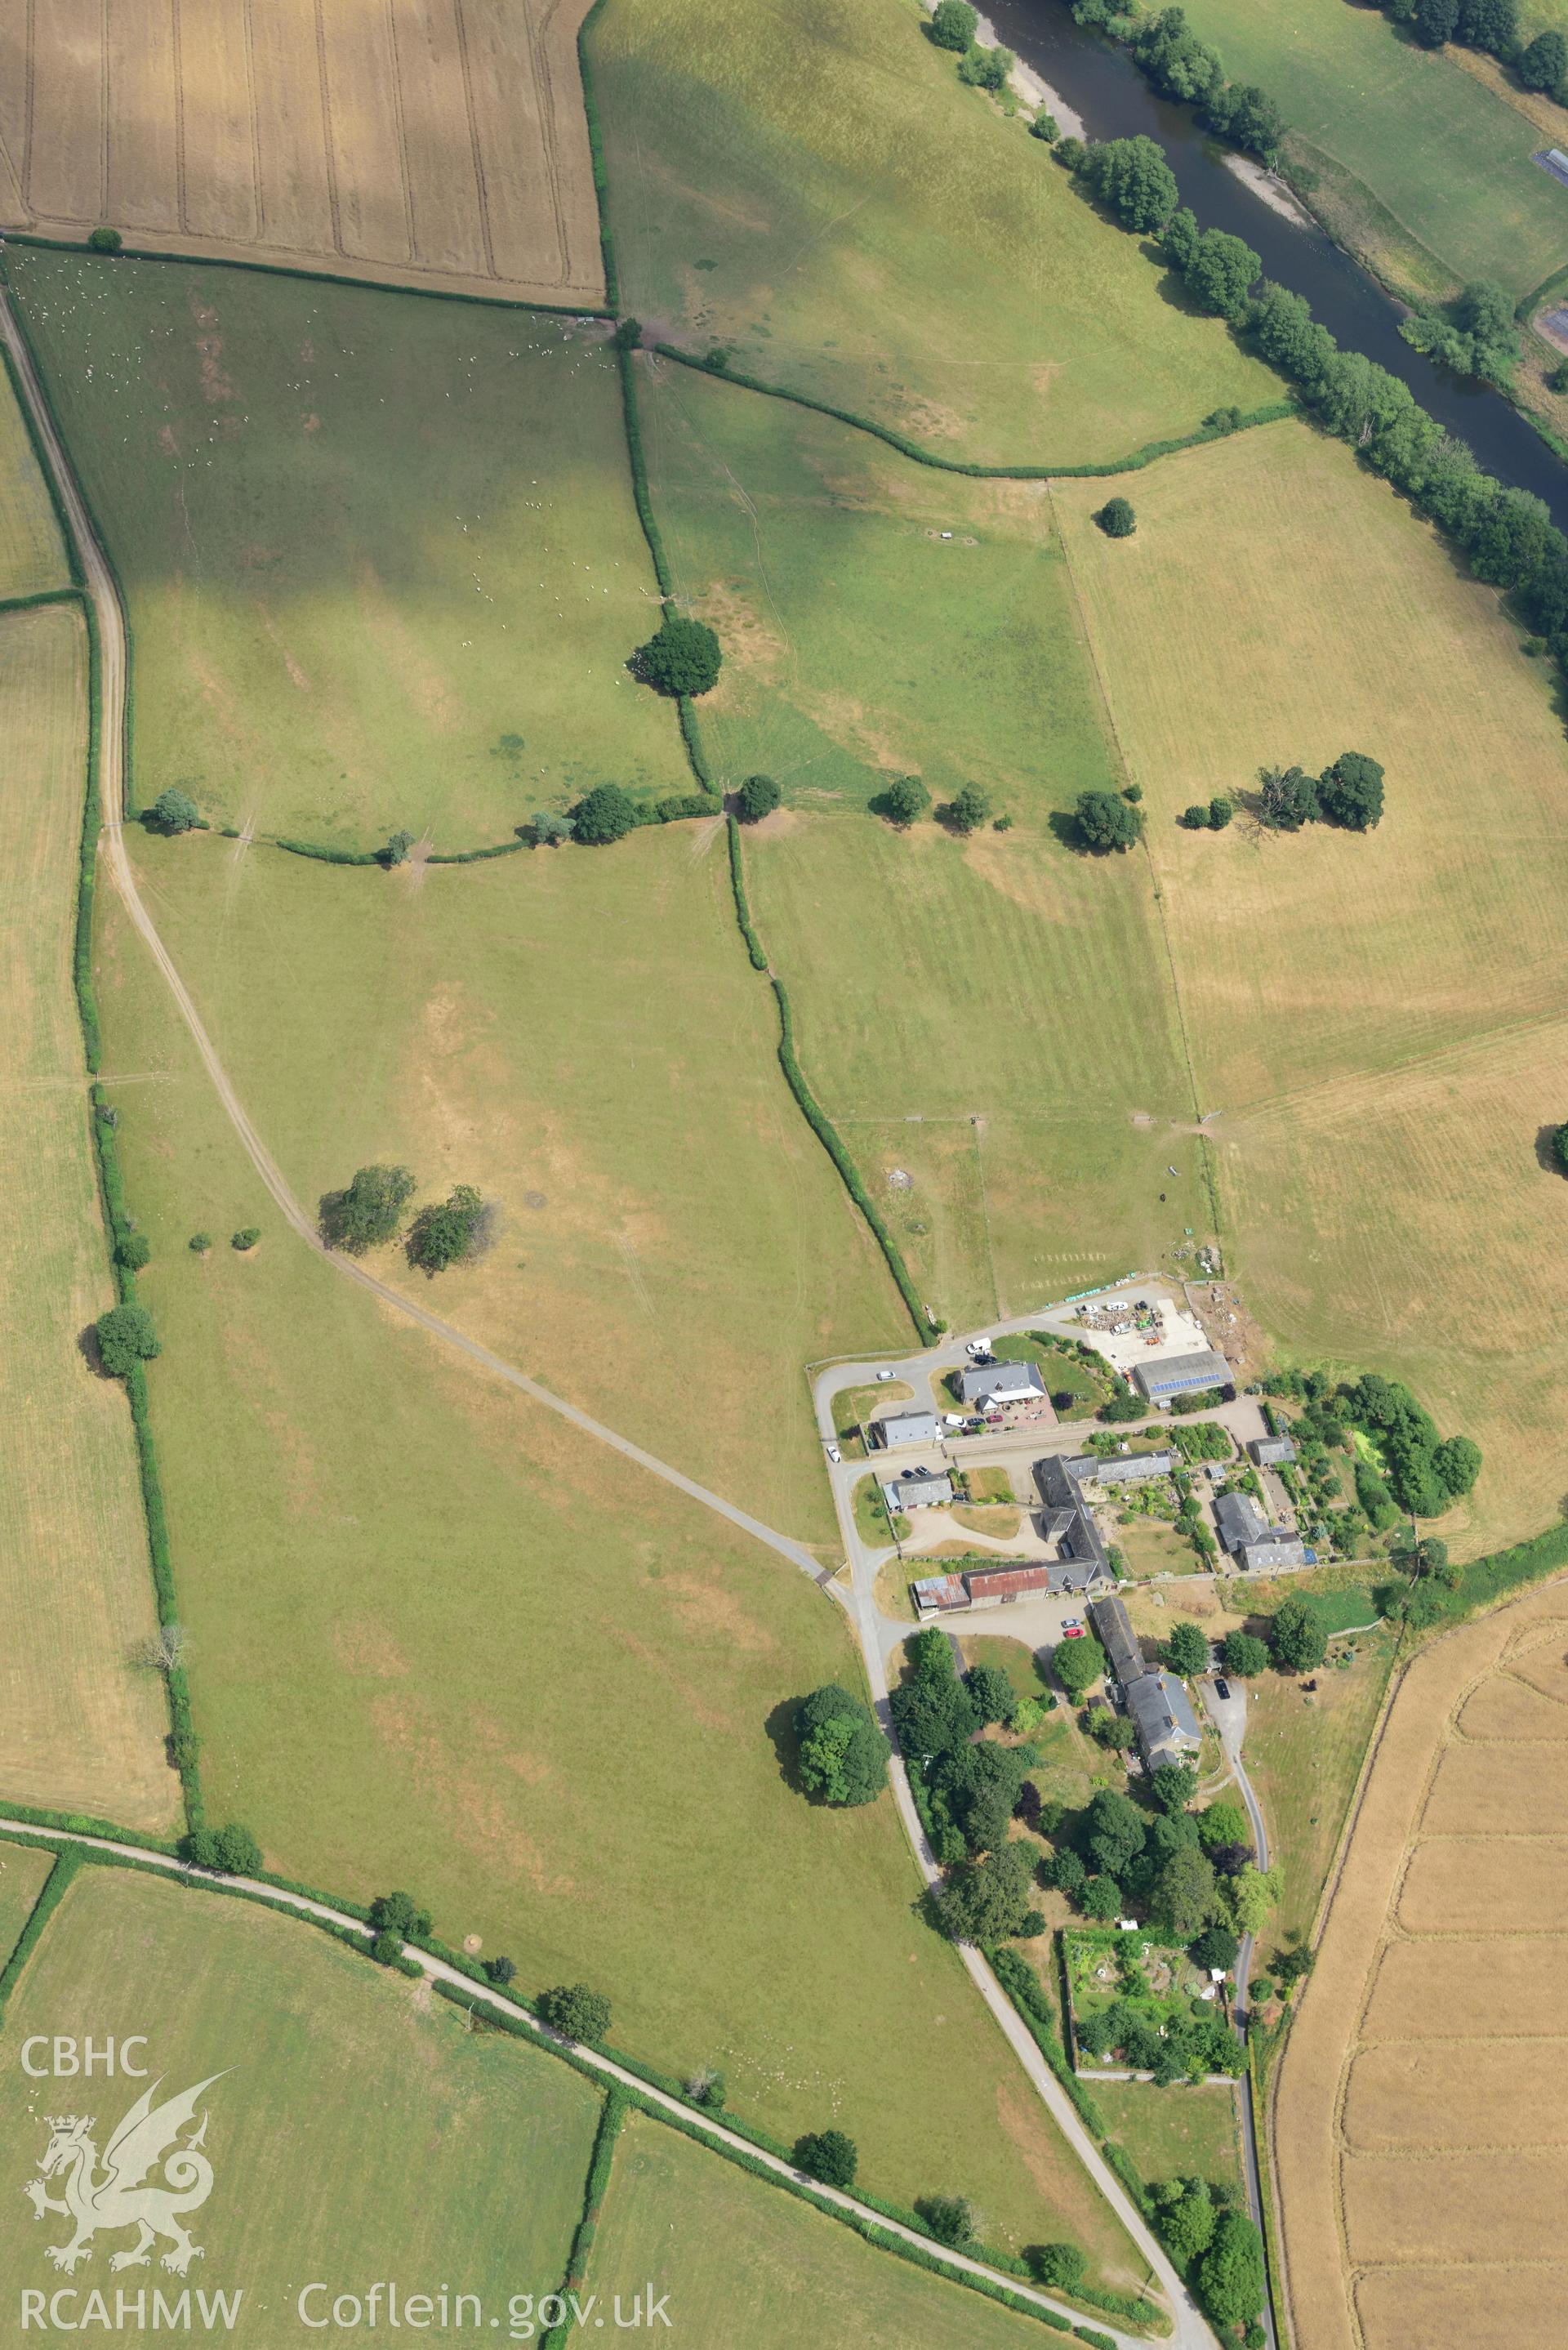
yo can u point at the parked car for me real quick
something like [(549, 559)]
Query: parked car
[(883, 1375), (1221, 1688), (833, 1453), (1072, 1629)]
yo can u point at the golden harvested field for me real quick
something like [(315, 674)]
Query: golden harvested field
[(81, 1724), (423, 142), (1353, 1003), (1420, 2149)]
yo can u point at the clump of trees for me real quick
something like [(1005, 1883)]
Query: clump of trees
[(453, 1231), (827, 2154), (576, 2013), (684, 658), (1189, 1875), (126, 1337), (1217, 269), (1348, 794), (986, 70), (1207, 816), (1132, 179), (948, 2218), (368, 1213), (1426, 1473), (1108, 821), (842, 1754), (1473, 334), (1079, 1664), (967, 1790), (233, 1850), (1217, 2248), (605, 814), (757, 798), (954, 24), (966, 811)]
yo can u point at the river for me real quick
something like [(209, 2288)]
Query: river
[(1101, 83)]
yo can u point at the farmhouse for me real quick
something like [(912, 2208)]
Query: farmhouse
[(907, 1428), (994, 1384), (1069, 1523), (922, 1489), (1182, 1375), (1278, 1547), (1162, 1715), (1271, 1451), (1240, 1520)]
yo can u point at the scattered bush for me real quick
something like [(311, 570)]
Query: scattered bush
[(757, 798), (126, 1337), (1058, 2266), (684, 658), (131, 1250), (986, 68), (398, 1913), (199, 1244), (233, 1851), (104, 240), (1046, 127), (967, 811), (397, 849), (548, 830), (1299, 1639), (1220, 811), (953, 25), (904, 802), (500, 1971), (627, 336), (946, 2217), (576, 2013), (245, 1239), (1117, 518), (387, 1950), (1070, 153), (368, 1213)]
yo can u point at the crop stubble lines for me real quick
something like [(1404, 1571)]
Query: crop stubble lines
[(421, 141)]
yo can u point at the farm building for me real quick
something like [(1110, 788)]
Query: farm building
[(1162, 1715), (994, 1586), (1112, 1627), (937, 1595), (907, 1428), (918, 1492), (1122, 1468), (1070, 1523), (1182, 1375), (1240, 1520), (995, 1384), (1271, 1451), (1278, 1547)]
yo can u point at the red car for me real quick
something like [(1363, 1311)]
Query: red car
[(1072, 1629)]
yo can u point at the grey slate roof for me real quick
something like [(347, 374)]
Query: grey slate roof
[(1163, 1717), (1240, 1520), (1070, 1519), (1113, 1629), (1122, 1468), (910, 1428), (917, 1492), (1277, 1548), (1009, 1382), (1271, 1451), (1183, 1374)]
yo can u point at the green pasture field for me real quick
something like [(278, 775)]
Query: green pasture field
[(442, 1640), (356, 2131), (878, 618), (396, 536), (1182, 2132), (1376, 1020), (1013, 1658), (578, 1033), (32, 555), (1421, 168), (83, 1726), (23, 1870), (1304, 1756), (743, 2263), (812, 188)]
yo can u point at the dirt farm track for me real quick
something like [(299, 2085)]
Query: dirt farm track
[(1422, 2118), (436, 142)]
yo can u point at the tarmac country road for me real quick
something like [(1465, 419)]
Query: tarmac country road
[(1191, 2331)]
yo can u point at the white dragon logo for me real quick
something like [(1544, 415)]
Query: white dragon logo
[(118, 2199)]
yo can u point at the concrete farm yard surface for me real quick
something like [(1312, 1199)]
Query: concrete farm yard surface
[(438, 142), (1420, 2137)]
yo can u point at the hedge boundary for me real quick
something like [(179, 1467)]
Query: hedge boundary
[(1274, 411), (50, 1894), (305, 277), (612, 2113), (742, 906), (597, 153), (828, 1134)]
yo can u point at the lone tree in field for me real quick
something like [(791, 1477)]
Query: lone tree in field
[(904, 803), (1558, 1146), (1350, 793), (576, 2013), (448, 1232), (757, 798), (1300, 1641), (842, 1754), (368, 1213), (397, 849), (1117, 518), (967, 810), (827, 2154), (953, 24), (126, 1337), (684, 658), (174, 811), (104, 240), (608, 814), (1107, 821)]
